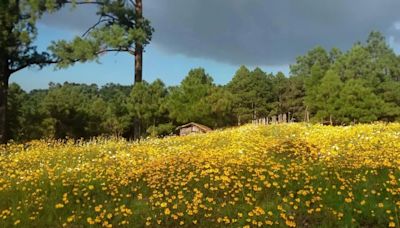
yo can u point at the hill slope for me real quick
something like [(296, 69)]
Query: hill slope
[(282, 175)]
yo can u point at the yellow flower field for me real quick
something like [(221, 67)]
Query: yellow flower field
[(292, 175)]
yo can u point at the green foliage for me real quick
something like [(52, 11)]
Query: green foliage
[(67, 107), (279, 86), (188, 103), (161, 129), (293, 97), (326, 100), (305, 63), (18, 32), (118, 29), (358, 103), (253, 94), (15, 109), (117, 119), (146, 103), (359, 85)]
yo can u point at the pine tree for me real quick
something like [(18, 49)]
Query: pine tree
[(121, 27), (17, 51)]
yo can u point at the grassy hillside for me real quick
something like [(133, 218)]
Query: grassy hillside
[(283, 175)]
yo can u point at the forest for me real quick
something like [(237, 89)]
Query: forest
[(88, 155), (337, 87)]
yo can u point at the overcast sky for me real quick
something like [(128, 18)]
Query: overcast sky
[(221, 35)]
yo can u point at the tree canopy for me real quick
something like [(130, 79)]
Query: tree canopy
[(121, 27), (338, 87)]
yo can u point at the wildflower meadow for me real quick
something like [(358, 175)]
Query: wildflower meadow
[(289, 175)]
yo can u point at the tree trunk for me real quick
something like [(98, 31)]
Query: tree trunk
[(138, 46), (4, 76), (136, 128), (138, 64)]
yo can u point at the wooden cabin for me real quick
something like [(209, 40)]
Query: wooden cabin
[(191, 128)]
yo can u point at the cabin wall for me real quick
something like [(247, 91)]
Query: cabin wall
[(189, 130)]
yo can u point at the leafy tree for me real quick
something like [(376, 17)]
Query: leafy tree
[(221, 101), (334, 55), (326, 99), (17, 51), (121, 27), (163, 129), (146, 104), (306, 73), (252, 92), (385, 63), (70, 117), (279, 87), (117, 119), (358, 103), (303, 64), (187, 102), (293, 97), (111, 92), (16, 100), (36, 123), (389, 92), (355, 64), (312, 83)]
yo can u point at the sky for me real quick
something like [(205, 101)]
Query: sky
[(220, 36)]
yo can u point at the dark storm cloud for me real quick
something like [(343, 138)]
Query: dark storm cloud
[(261, 32), (75, 19)]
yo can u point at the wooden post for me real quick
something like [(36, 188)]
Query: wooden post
[(306, 114), (273, 119)]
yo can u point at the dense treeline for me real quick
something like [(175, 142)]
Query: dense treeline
[(359, 85)]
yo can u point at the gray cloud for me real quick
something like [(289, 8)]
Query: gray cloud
[(75, 19), (257, 32)]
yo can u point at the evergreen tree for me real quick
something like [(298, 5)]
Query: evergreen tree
[(17, 51), (326, 100), (121, 27), (303, 64), (16, 104), (312, 84), (252, 94), (279, 87), (293, 98), (358, 103), (146, 104), (188, 103)]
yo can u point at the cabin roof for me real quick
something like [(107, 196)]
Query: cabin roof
[(202, 127)]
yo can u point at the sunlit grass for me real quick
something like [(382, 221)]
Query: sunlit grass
[(281, 175)]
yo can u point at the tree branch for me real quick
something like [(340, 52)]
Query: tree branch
[(94, 26), (47, 62), (132, 2), (23, 66), (85, 2)]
